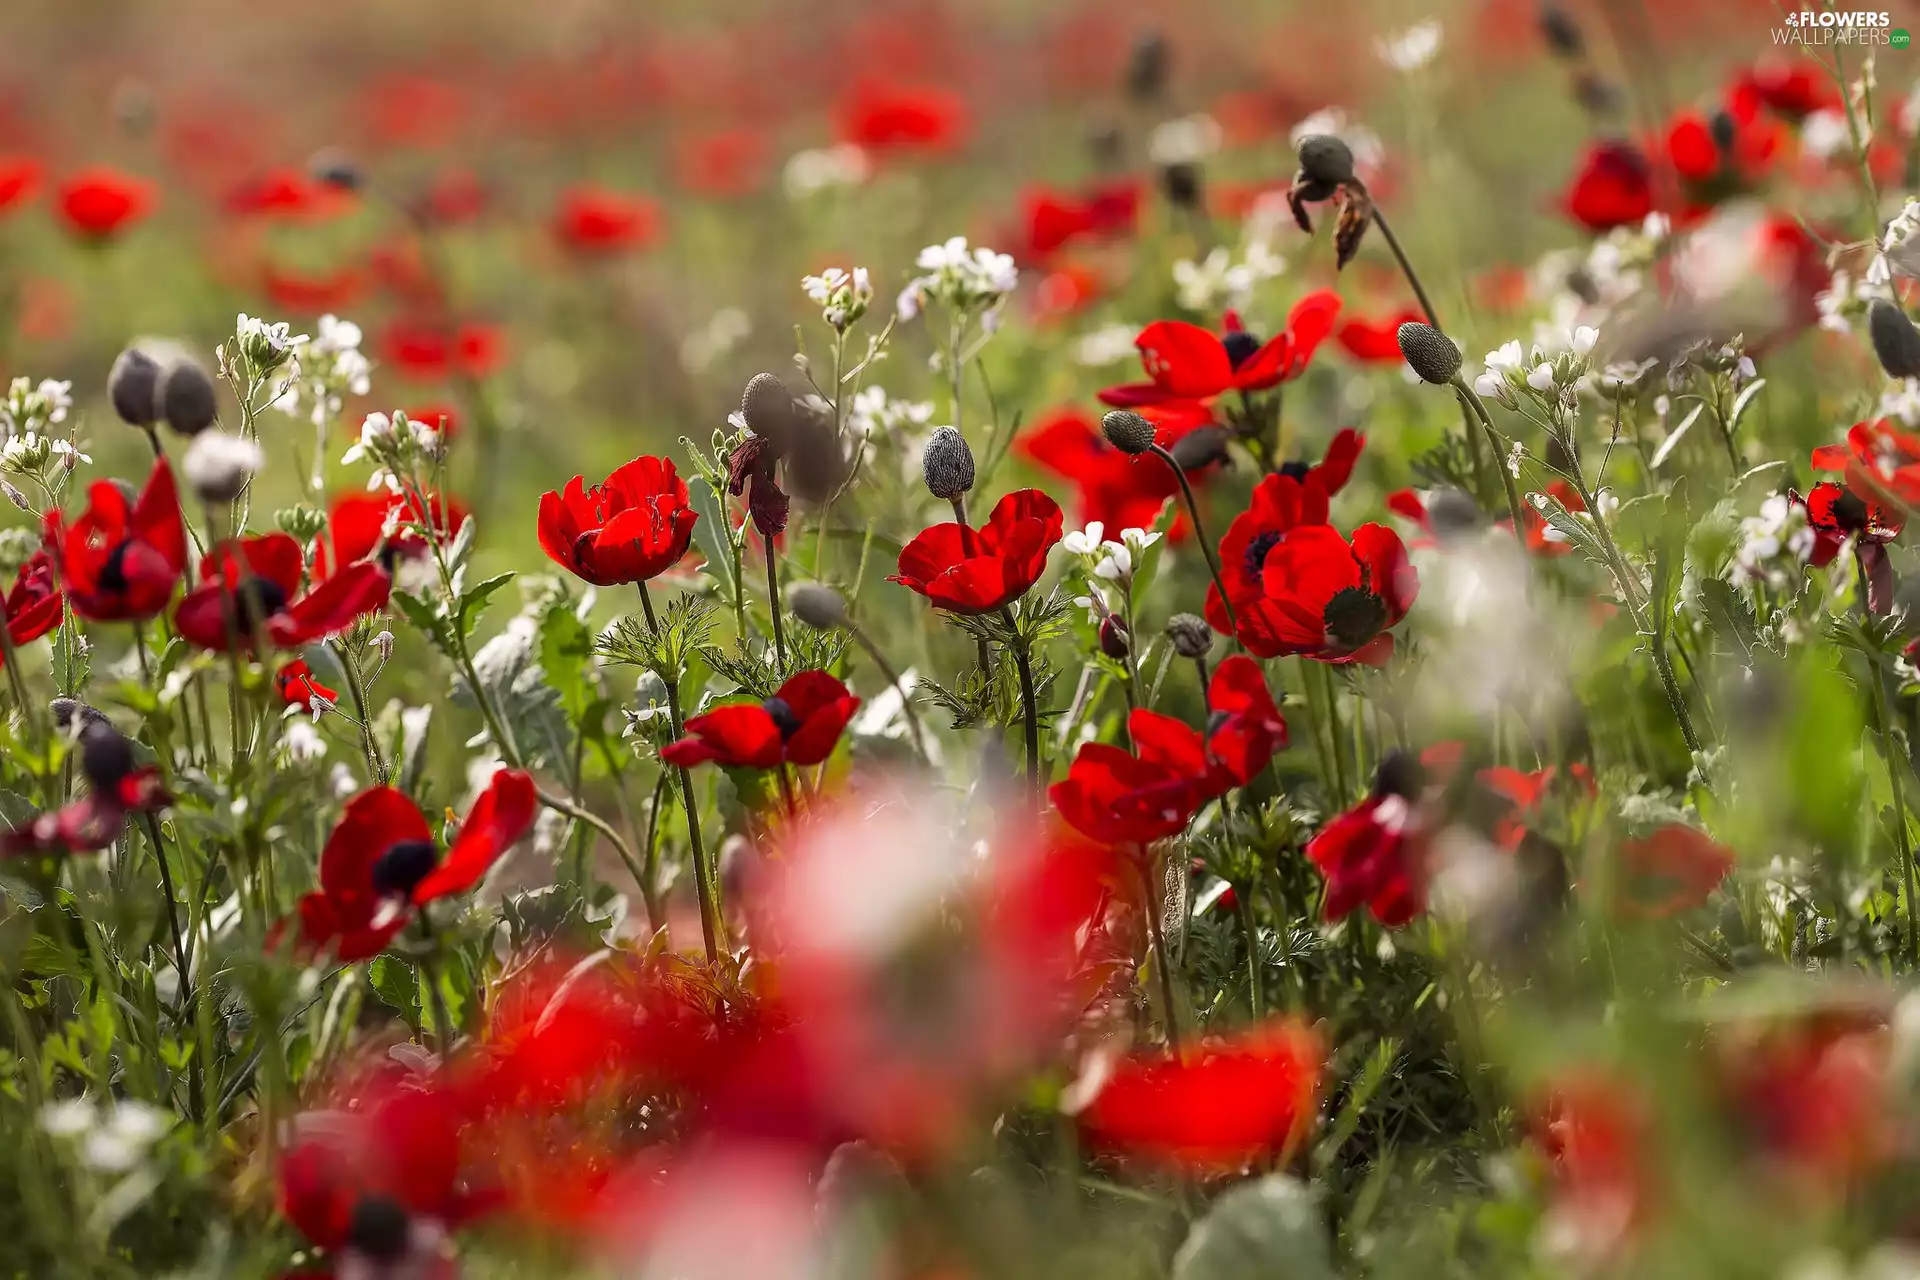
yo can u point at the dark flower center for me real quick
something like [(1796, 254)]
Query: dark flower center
[(106, 757), (1257, 547), (256, 600), (113, 570), (1400, 774), (379, 1229), (1217, 721), (403, 866), (1725, 132), (782, 716), (1354, 616), (1241, 346), (1297, 468), (1849, 512)]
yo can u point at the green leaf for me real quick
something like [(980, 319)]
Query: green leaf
[(72, 658), (398, 987), (1666, 446), (1576, 531), (474, 601), (427, 618), (1269, 1229), (1729, 614), (566, 654), (710, 531)]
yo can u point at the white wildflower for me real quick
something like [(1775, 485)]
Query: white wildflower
[(1411, 49)]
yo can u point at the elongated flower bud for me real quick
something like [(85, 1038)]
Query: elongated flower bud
[(1325, 158), (1429, 352), (1127, 431), (1895, 340), (184, 397), (818, 605), (131, 384), (947, 464), (1191, 636)]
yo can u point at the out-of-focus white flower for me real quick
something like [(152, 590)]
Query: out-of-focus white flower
[(331, 367), (1844, 302), (1185, 140), (968, 279), (32, 407), (1411, 49), (1901, 400), (1774, 544), (1107, 345), (1824, 134), (1220, 282), (300, 742), (812, 171), (68, 1117), (218, 466), (710, 342)]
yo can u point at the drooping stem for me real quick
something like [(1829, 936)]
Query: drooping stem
[(1199, 532), (773, 601), (1406, 268), (1472, 400), (906, 703), (705, 882)]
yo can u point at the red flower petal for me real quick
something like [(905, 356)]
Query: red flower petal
[(502, 814)]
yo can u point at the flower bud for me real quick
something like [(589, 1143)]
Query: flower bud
[(184, 396), (1325, 158), (1453, 512), (1895, 340), (767, 407), (1201, 447), (1147, 67), (300, 522), (16, 497), (335, 167), (106, 756), (1191, 636), (1429, 353), (947, 464), (1561, 32), (131, 384), (1182, 183), (218, 466), (1127, 431), (70, 714), (383, 645), (818, 605), (1114, 640)]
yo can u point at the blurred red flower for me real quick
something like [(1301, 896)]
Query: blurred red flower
[(100, 202), (1837, 514), (1675, 869), (1881, 462), (798, 725), (251, 587), (1119, 490), (1542, 538), (1793, 89), (632, 527), (1053, 219), (34, 606), (1329, 599), (1187, 363), (295, 684), (121, 559), (359, 524), (428, 350), (117, 788), (892, 117), (1377, 341), (381, 861), (1235, 1101), (1593, 1132), (287, 193), (19, 179), (1613, 187), (312, 293), (1813, 1092), (967, 571), (592, 219), (729, 163), (1374, 854)]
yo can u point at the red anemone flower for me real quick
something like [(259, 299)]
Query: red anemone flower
[(34, 605), (296, 686), (1881, 462), (595, 220), (1118, 490), (725, 164), (1116, 798), (1592, 1130), (312, 292), (631, 528), (116, 789), (1614, 188), (1811, 1092), (1244, 727), (1280, 504), (98, 203), (1232, 1102), (1374, 855), (381, 862), (122, 558), (1791, 89), (287, 193), (250, 588), (798, 725), (1054, 219), (19, 179), (1333, 471), (1837, 514), (1673, 870), (1377, 342), (427, 349), (377, 1184), (964, 570), (361, 524), (882, 117), (1187, 363), (1330, 599)]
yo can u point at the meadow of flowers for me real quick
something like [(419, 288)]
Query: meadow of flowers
[(905, 641)]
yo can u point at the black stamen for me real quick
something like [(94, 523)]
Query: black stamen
[(403, 866), (113, 572), (1400, 774), (783, 717), (379, 1229), (1241, 346)]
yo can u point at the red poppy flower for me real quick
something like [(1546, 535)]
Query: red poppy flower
[(631, 528), (1234, 1101), (34, 605), (1542, 538), (296, 686), (1116, 798), (1837, 514), (1377, 343), (1719, 155), (967, 571), (721, 165), (1330, 599), (19, 179), (1673, 870), (1792, 89), (1375, 854), (116, 789), (121, 560), (1614, 188), (100, 202), (1592, 1131), (453, 197), (312, 293), (884, 117), (798, 725), (1813, 1093), (360, 524), (287, 193), (1119, 490), (377, 1182), (1280, 504), (380, 862), (1244, 727), (429, 350), (1187, 363), (1051, 219), (595, 220), (1881, 462), (252, 585)]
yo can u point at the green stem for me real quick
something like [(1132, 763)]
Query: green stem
[(906, 702), (705, 880), (1155, 903), (183, 957), (1199, 533), (1472, 400), (773, 601), (377, 768), (1896, 766), (1406, 267), (1029, 709), (1243, 899)]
